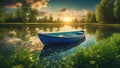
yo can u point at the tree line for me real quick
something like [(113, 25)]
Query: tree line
[(107, 11), (26, 14), (23, 14)]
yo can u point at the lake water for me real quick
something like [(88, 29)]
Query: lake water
[(25, 35)]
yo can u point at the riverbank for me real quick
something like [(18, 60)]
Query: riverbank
[(34, 25), (59, 23)]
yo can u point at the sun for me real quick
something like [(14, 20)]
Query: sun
[(67, 19)]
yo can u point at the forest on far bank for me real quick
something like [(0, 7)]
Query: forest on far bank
[(107, 11)]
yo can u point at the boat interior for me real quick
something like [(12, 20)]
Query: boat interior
[(66, 34)]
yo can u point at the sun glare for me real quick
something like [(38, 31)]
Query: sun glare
[(67, 19)]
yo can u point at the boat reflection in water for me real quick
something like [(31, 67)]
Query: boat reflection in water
[(59, 48), (57, 43)]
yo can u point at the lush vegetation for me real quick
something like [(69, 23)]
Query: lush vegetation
[(117, 10), (18, 58), (107, 11), (105, 54), (104, 11), (23, 14), (90, 18)]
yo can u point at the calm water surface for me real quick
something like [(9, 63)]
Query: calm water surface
[(26, 36)]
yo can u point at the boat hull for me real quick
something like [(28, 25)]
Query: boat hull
[(52, 40)]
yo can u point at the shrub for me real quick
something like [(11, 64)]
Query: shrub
[(18, 58), (106, 54)]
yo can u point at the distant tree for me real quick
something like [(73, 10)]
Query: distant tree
[(1, 14), (90, 18), (42, 20), (75, 20), (19, 16), (10, 18), (87, 19), (45, 19), (104, 11), (50, 19), (58, 20), (33, 15), (25, 8), (26, 14), (82, 20), (117, 10), (39, 20)]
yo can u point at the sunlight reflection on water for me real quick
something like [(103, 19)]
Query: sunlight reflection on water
[(29, 39), (27, 36)]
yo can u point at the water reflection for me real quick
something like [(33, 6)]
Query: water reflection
[(105, 32), (90, 29), (102, 31), (55, 49), (26, 34)]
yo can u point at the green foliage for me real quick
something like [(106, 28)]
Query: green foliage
[(18, 58), (45, 19), (23, 14), (75, 20), (33, 15), (50, 19), (117, 10), (106, 54), (25, 10), (105, 32), (10, 18), (104, 11), (91, 18), (88, 17), (1, 14), (27, 13), (19, 15)]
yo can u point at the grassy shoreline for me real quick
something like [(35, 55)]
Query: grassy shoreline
[(59, 23), (62, 24)]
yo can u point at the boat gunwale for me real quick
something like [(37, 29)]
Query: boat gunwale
[(63, 32), (47, 34)]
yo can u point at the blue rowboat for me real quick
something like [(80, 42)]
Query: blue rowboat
[(58, 38)]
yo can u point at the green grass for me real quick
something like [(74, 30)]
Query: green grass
[(105, 54)]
